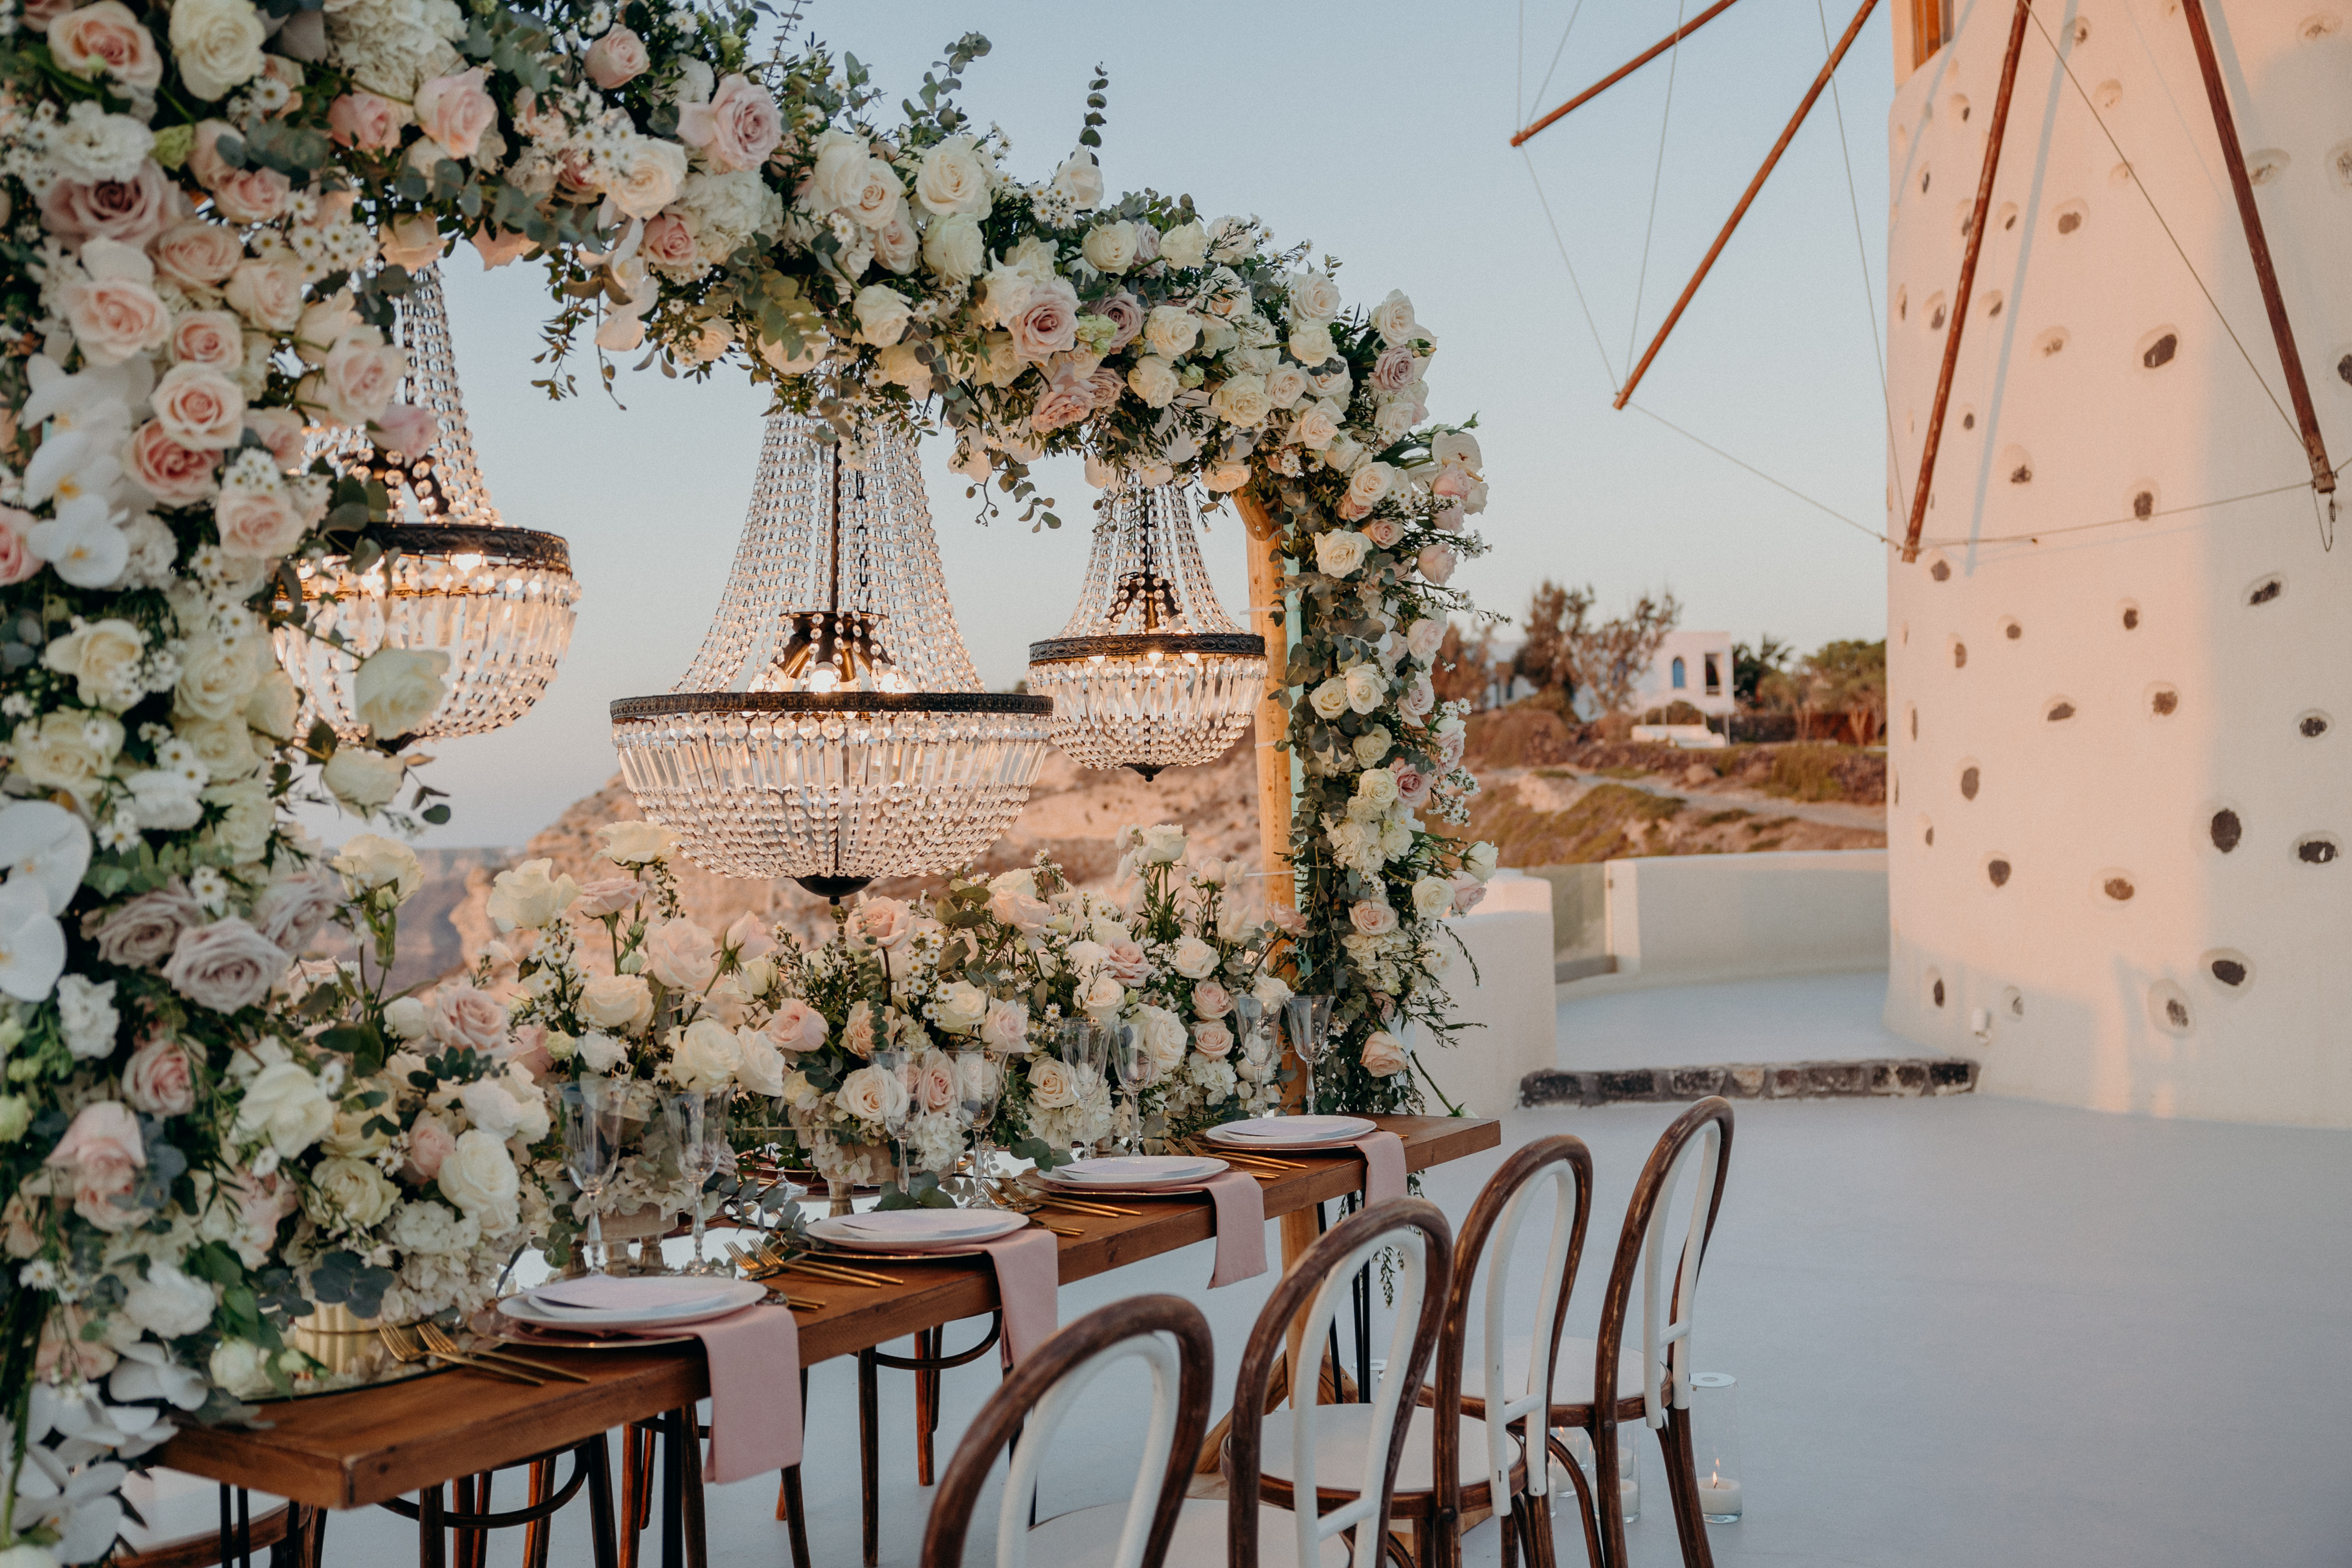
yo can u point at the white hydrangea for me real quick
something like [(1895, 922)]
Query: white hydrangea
[(86, 1015)]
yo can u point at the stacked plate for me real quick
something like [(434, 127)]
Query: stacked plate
[(917, 1230), (1135, 1173), (601, 1303), (1289, 1132)]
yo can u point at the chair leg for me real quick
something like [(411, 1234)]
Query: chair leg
[(634, 1487), (535, 1534), (1609, 1498), (1508, 1521), (431, 1548), (1584, 1508), (603, 1544), (869, 1453), (697, 1534), (1682, 1486), (794, 1513), (927, 1401)]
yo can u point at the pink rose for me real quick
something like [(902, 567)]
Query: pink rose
[(1068, 397), (668, 243), (1212, 1000), (408, 429), (173, 474), (106, 36), (605, 896), (497, 247), (1124, 962), (268, 293), (215, 338), (1108, 387), (1211, 1040), (141, 934), (159, 1079), (257, 522), (736, 130), (261, 1203), (616, 57), (114, 318), (357, 383), (1468, 890), (1451, 520), (1048, 325), (796, 1026), (364, 120), (282, 430), (528, 1050), (750, 936), (225, 966), (1385, 533), (252, 195), (290, 910), (197, 253), (133, 211), (17, 560), (64, 1351), (537, 121), (198, 407), (39, 14), (103, 1152), (430, 1142), (1393, 368), (887, 923), (681, 955), (1437, 563), (454, 110), (1017, 909), (1127, 312), (467, 1017), (1373, 917), (935, 1086), (1453, 483), (1413, 784)]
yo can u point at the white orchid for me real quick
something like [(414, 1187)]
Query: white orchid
[(45, 843), (32, 944)]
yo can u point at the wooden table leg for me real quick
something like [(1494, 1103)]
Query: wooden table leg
[(927, 1401), (869, 1455), (606, 1548), (673, 1520)]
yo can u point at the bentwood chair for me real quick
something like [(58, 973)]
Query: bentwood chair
[(1600, 1383), (182, 1520), (1171, 1337)]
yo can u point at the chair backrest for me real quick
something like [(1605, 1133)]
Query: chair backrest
[(1563, 1164), (1697, 1145), (1417, 1231), (1171, 1337)]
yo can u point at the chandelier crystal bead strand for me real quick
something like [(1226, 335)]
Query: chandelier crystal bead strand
[(452, 576), (831, 729), (1149, 673)]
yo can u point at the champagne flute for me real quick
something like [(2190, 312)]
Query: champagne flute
[(898, 1063), (978, 1082), (591, 1144), (1251, 1026), (697, 1126), (1132, 1061), (1310, 1031), (1082, 1047)]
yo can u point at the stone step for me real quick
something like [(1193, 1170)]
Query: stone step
[(1884, 1077)]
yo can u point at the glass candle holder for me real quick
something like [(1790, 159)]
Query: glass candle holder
[(1629, 1469), (1715, 1444)]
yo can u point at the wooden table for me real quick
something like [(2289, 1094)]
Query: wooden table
[(349, 1450)]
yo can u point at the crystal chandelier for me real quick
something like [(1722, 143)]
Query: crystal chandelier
[(831, 729), (1149, 673), (498, 601)]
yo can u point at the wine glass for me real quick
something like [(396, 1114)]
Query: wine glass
[(898, 1063), (1310, 1031), (978, 1082), (1082, 1047), (697, 1126), (592, 1142), (1131, 1059), (1253, 1033)]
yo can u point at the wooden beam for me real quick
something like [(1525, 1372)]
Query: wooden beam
[(1272, 718), (1628, 68), (1968, 280), (1813, 94), (2323, 473)]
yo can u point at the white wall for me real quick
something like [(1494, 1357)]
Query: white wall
[(2189, 698), (1677, 919), (1656, 688), (1508, 999)]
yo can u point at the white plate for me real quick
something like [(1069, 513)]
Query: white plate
[(1143, 1170), (1272, 1131), (725, 1296), (836, 1231)]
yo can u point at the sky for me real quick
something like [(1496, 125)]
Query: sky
[(1380, 133)]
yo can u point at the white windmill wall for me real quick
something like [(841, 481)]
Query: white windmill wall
[(2123, 686)]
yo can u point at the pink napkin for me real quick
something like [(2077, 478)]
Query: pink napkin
[(755, 1391), (1028, 1281), (1384, 1155), (1241, 1226)]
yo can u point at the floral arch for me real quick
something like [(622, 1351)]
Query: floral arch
[(208, 212)]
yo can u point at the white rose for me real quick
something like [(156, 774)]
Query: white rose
[(1192, 958), (761, 1065), (349, 1191), (397, 690), (1331, 698), (872, 1095), (635, 843), (1155, 380), (1103, 991), (1006, 1027), (1339, 552), (368, 860), (1369, 485), (1270, 992), (955, 250), (1185, 245), (1242, 401), (479, 1177), (954, 179), (506, 1107), (1366, 686), (528, 898), (1171, 331), (600, 1053), (622, 1001), (1456, 449), (1480, 861), (1163, 1034), (168, 1304), (651, 171), (406, 1017), (216, 44), (1080, 179), (1392, 318), (882, 314), (1383, 1054), (1052, 1085), (1110, 247), (1310, 343), (1424, 637), (1313, 298), (705, 1057), (362, 778), (1163, 844), (1432, 897), (284, 1106), (961, 1007)]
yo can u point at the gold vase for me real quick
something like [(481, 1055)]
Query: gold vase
[(335, 1337)]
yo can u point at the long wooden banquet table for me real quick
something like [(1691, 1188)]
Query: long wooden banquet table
[(371, 1445)]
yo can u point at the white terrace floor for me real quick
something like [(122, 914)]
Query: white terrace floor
[(1967, 1331), (1785, 1018)]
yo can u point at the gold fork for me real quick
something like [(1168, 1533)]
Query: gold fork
[(406, 1351), (438, 1339)]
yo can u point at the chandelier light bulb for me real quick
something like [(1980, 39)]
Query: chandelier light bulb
[(498, 601), (831, 729), (1119, 699)]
